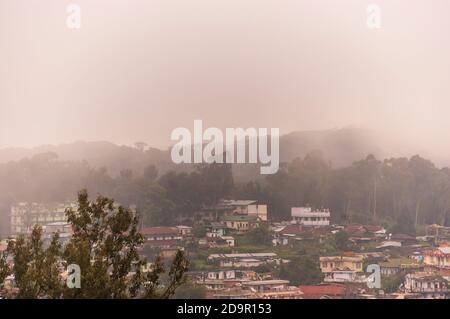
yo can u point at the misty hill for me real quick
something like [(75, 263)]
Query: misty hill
[(340, 146), (98, 154)]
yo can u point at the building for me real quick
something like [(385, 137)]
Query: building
[(226, 207), (342, 269), (217, 242), (272, 289), (25, 215), (439, 257), (427, 285), (266, 285), (395, 265), (240, 222), (327, 291), (161, 237), (221, 274), (232, 293), (244, 260), (308, 217), (184, 231), (216, 229)]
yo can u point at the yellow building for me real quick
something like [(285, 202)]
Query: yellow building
[(332, 263), (342, 268), (240, 222)]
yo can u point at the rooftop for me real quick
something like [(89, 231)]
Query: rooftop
[(313, 292), (266, 282), (159, 230), (239, 218), (399, 262)]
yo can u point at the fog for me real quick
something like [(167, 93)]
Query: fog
[(137, 69)]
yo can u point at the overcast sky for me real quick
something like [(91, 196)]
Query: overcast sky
[(138, 69)]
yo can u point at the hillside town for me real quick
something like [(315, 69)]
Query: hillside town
[(236, 251)]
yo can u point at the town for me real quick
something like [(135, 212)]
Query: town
[(237, 252)]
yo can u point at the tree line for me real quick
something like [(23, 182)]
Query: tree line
[(368, 191)]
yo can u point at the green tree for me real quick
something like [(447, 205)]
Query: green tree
[(105, 245), (341, 239), (302, 271), (199, 231), (260, 235), (4, 269), (36, 270)]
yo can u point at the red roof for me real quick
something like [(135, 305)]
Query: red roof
[(159, 231), (373, 229), (315, 292), (293, 229)]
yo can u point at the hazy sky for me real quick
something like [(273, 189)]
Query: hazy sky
[(138, 69)]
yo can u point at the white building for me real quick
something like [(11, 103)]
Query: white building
[(25, 215), (308, 217), (428, 285)]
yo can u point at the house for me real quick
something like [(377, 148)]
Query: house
[(405, 239), (266, 285), (231, 207), (222, 274), (308, 217), (438, 232), (389, 244), (215, 229), (229, 240), (240, 222), (212, 284), (377, 231), (184, 230), (427, 285), (244, 260), (395, 265), (342, 268), (161, 237), (232, 293), (439, 257), (325, 291), (286, 234), (271, 289), (217, 242)]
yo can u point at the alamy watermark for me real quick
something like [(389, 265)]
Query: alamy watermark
[(374, 279), (73, 20), (373, 21), (73, 276), (230, 147)]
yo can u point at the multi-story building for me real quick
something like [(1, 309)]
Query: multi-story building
[(308, 217), (342, 268), (244, 260), (240, 222), (161, 237), (439, 257), (427, 285), (25, 215), (227, 207)]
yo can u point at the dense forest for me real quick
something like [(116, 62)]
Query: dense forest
[(367, 191)]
